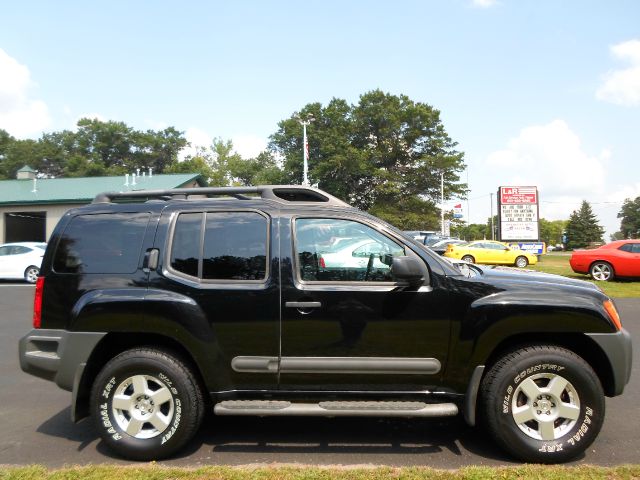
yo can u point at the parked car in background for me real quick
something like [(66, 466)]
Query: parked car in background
[(491, 252), (420, 235), (21, 260), (616, 259), (441, 245)]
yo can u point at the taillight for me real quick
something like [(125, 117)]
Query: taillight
[(613, 314), (37, 303), (321, 263)]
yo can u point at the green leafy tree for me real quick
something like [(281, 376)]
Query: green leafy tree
[(630, 218), (473, 231), (551, 231), (19, 153), (384, 154), (583, 228)]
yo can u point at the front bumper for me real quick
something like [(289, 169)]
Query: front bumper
[(617, 348), (57, 355)]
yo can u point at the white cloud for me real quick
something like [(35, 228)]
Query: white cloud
[(248, 146), (551, 157), (198, 140), (622, 87), (20, 115), (484, 3)]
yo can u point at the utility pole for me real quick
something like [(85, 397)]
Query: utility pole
[(493, 230), (442, 204), (305, 148)]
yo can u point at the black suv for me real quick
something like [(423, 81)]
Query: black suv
[(155, 306)]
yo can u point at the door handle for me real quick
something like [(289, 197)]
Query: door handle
[(303, 304)]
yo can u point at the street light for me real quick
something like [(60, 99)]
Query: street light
[(305, 147)]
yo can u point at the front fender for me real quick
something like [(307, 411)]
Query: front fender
[(494, 319)]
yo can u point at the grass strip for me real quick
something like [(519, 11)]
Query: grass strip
[(558, 263), (155, 472)]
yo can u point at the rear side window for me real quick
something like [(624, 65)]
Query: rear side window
[(233, 247), (185, 253), (101, 243)]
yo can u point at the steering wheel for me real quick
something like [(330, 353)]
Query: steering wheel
[(369, 266)]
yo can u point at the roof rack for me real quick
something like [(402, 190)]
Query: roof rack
[(279, 193)]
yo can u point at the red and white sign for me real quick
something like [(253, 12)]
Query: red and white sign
[(518, 210), (518, 195)]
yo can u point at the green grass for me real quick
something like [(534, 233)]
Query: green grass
[(153, 472), (558, 263)]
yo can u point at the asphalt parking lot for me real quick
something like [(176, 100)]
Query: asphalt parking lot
[(35, 425)]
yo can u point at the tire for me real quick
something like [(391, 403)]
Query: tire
[(468, 259), (122, 398), (542, 404), (602, 271), (521, 262), (31, 274)]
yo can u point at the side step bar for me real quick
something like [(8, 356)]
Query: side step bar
[(268, 408)]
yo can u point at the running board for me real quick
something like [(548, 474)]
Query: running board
[(272, 408)]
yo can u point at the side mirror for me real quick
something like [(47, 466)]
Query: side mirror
[(408, 269)]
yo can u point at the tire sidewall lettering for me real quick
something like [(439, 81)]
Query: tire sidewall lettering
[(571, 438), (110, 426)]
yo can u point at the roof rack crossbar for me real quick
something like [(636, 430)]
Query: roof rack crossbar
[(280, 193)]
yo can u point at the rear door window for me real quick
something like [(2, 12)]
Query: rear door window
[(234, 246), (101, 243)]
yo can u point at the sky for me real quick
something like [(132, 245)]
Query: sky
[(535, 92)]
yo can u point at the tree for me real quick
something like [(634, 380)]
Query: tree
[(385, 154), (473, 231), (630, 218), (551, 231), (583, 228)]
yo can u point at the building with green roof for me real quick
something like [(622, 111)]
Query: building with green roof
[(30, 207)]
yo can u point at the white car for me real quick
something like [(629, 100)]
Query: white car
[(358, 254), (21, 260)]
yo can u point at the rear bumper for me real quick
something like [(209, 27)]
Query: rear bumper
[(57, 355), (617, 348)]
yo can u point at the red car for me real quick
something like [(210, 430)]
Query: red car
[(616, 259)]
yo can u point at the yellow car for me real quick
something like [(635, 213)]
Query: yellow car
[(493, 253)]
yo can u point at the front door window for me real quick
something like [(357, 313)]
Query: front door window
[(336, 250)]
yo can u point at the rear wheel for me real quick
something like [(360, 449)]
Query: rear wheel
[(31, 274), (522, 262), (542, 404), (468, 259), (602, 271), (146, 404)]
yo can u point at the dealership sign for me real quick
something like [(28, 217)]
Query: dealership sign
[(518, 212)]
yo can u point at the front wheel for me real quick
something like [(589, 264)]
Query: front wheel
[(146, 404), (31, 274), (542, 404), (522, 262), (468, 259), (602, 271)]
